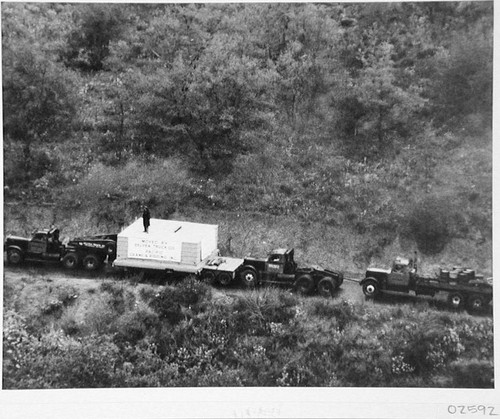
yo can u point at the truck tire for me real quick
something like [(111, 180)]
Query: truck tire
[(476, 303), (371, 288), (224, 278), (91, 262), (326, 287), (249, 277), (14, 256), (456, 300), (304, 284), (70, 261), (208, 277)]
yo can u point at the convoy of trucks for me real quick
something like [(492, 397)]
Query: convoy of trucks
[(191, 248)]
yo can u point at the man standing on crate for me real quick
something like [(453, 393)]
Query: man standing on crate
[(145, 218)]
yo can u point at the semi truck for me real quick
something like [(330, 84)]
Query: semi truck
[(191, 248), (279, 268), (45, 246), (463, 286)]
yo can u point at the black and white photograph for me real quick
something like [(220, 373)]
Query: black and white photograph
[(236, 199)]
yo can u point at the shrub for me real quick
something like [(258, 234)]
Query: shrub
[(190, 293), (472, 373), (134, 325), (120, 299), (166, 306), (99, 317), (362, 359), (428, 347), (69, 324), (295, 374), (147, 293), (57, 361), (254, 311), (342, 313), (477, 339)]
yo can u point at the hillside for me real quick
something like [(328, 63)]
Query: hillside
[(351, 131)]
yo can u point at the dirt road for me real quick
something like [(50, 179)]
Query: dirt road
[(350, 289)]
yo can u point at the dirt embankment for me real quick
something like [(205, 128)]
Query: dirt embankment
[(84, 282)]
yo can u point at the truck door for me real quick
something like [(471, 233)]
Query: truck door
[(274, 267), (38, 244), (399, 281)]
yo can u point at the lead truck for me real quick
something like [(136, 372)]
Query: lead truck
[(175, 247), (463, 286)]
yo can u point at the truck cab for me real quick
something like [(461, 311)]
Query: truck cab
[(280, 261), (43, 245), (279, 268), (400, 277)]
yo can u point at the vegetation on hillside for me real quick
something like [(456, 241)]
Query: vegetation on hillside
[(128, 334), (350, 131), (372, 117)]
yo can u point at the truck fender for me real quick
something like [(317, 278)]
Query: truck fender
[(13, 246), (15, 255), (369, 278)]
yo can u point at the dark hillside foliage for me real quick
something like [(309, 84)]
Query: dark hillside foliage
[(126, 335), (342, 113)]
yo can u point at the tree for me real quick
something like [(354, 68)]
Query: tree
[(88, 44), (208, 108), (39, 98), (382, 110), (462, 85)]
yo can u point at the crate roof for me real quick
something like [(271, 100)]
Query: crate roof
[(182, 231)]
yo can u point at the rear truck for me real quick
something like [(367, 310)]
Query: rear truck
[(279, 268), (45, 246), (463, 287), (175, 247)]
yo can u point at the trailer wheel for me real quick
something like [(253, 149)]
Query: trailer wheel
[(476, 303), (14, 256), (249, 277), (304, 284), (326, 287), (208, 277), (456, 300), (224, 279), (91, 263), (70, 261), (371, 288)]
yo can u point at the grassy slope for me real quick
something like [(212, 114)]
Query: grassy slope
[(338, 247)]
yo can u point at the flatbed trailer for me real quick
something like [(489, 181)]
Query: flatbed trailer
[(463, 286), (175, 247)]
